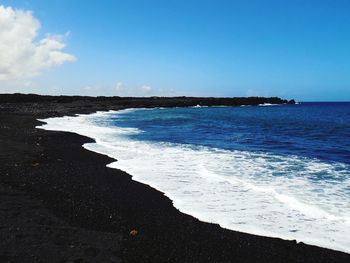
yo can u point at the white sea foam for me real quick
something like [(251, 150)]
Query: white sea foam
[(268, 104), (259, 193)]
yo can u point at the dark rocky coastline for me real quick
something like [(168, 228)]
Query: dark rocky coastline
[(60, 203)]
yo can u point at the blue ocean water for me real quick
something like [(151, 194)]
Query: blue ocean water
[(315, 130), (281, 171)]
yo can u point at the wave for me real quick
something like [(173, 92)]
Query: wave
[(257, 193), (268, 104)]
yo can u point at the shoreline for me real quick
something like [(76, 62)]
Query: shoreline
[(83, 124), (73, 186)]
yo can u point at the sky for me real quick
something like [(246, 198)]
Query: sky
[(291, 49)]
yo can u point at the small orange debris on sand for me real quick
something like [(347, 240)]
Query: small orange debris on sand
[(134, 232)]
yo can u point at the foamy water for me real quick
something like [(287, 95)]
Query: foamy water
[(240, 190)]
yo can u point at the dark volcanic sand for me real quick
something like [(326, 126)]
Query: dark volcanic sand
[(60, 203)]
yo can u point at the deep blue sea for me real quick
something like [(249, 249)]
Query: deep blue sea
[(315, 130), (277, 170)]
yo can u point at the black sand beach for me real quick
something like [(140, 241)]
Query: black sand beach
[(60, 203)]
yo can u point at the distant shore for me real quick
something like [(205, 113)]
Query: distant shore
[(60, 203)]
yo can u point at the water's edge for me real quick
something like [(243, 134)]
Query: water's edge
[(94, 147)]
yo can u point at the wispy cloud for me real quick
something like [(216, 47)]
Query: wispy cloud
[(146, 88), (143, 90), (124, 89), (119, 87)]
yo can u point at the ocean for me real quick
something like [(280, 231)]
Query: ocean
[(272, 170)]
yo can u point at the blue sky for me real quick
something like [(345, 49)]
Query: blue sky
[(292, 49)]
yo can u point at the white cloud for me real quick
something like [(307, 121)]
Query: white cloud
[(146, 88), (125, 90), (119, 86), (21, 56)]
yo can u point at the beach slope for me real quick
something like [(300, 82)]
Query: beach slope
[(60, 203)]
